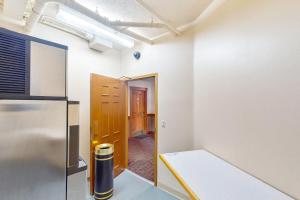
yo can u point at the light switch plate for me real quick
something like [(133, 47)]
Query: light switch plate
[(163, 124)]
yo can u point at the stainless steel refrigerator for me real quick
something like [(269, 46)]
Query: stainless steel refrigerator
[(33, 118), (32, 149)]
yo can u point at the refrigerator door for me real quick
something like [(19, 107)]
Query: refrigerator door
[(33, 150)]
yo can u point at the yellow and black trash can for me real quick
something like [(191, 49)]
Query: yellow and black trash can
[(104, 167)]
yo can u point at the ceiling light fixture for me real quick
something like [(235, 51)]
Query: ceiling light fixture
[(94, 28)]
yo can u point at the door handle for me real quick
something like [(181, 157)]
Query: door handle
[(95, 142)]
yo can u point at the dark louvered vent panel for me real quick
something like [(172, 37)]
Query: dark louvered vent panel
[(12, 64)]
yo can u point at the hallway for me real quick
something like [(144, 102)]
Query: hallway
[(140, 155)]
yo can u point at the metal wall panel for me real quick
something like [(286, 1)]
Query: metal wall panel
[(47, 70), (33, 150)]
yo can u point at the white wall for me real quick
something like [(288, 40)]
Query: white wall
[(144, 83), (172, 59), (82, 61), (237, 78), (246, 88)]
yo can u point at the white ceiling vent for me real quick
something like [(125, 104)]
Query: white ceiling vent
[(100, 44)]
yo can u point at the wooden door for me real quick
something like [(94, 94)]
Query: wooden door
[(107, 120), (138, 113)]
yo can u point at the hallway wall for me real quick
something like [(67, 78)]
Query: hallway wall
[(144, 83)]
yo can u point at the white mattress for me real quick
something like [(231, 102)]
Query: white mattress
[(211, 178)]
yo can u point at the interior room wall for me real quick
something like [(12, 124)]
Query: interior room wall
[(231, 88), (172, 59), (144, 83), (246, 88), (82, 61)]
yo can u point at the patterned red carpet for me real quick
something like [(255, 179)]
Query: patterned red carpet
[(140, 155)]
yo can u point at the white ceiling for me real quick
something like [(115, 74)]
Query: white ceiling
[(176, 12)]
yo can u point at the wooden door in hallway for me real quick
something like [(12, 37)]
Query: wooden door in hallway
[(107, 120), (138, 110)]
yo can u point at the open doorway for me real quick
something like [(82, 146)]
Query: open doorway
[(141, 126), (110, 121)]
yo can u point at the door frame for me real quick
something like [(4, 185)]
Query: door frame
[(145, 90), (155, 76)]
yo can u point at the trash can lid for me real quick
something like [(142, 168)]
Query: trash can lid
[(104, 149)]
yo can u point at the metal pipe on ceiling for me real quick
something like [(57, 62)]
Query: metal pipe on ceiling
[(81, 9), (41, 4), (37, 10), (153, 12), (138, 24)]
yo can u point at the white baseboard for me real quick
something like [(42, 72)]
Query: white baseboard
[(138, 176), (173, 192)]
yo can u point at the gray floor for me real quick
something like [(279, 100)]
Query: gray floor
[(131, 187)]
